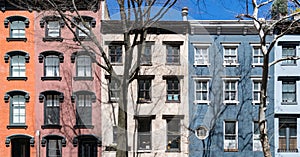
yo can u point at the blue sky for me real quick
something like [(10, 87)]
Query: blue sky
[(202, 10)]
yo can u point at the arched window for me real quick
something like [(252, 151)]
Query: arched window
[(52, 60), (17, 25), (17, 101), (54, 144), (17, 70), (52, 100)]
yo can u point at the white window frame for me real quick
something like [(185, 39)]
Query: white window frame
[(235, 80), (256, 138), (207, 80), (259, 81), (227, 143), (260, 55), (233, 62), (201, 55)]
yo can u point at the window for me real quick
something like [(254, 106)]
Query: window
[(17, 25), (256, 89), (20, 147), (84, 66), (173, 89), (201, 56), (288, 92), (85, 23), (51, 66), (201, 132), (17, 101), (18, 110), (17, 66), (115, 53), (201, 91), (256, 137), (173, 134), (84, 108), (146, 55), (230, 136), (53, 29), (17, 29), (84, 28), (144, 89), (18, 60), (113, 89), (258, 57), (54, 148), (144, 133), (52, 100), (288, 51), (173, 54), (230, 56), (230, 91), (287, 135)]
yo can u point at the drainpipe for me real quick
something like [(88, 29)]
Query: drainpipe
[(37, 133)]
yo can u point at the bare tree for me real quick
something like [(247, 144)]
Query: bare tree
[(284, 23)]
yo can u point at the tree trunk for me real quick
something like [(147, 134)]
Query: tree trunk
[(263, 107)]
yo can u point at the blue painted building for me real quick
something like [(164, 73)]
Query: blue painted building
[(286, 91), (224, 89)]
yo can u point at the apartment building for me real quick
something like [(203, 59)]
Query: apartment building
[(157, 98), (224, 89), (17, 71)]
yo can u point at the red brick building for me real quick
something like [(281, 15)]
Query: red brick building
[(17, 71), (67, 84)]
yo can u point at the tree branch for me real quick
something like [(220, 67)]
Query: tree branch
[(284, 59)]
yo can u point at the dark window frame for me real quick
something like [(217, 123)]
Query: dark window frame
[(173, 54), (115, 53), (171, 90)]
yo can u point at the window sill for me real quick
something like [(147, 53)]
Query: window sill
[(111, 148), (16, 78), (17, 126), (16, 39), (117, 64), (144, 101), (288, 103), (47, 126), (231, 150), (173, 101), (201, 65), (174, 64), (287, 151), (144, 151), (50, 78), (257, 65), (52, 39), (83, 78), (173, 151), (199, 102), (146, 64), (230, 102), (83, 126), (286, 64), (255, 103), (231, 65), (113, 100), (82, 39)]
